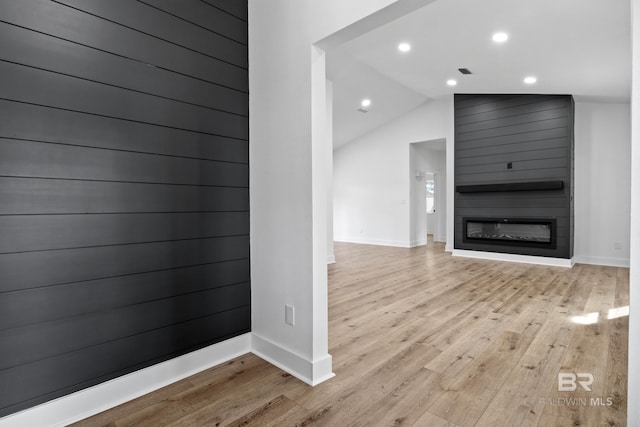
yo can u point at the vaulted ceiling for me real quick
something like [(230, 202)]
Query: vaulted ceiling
[(578, 47)]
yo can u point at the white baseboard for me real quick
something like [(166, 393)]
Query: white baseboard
[(606, 261), (312, 372), (377, 242), (331, 259), (554, 262), (93, 400), (416, 243)]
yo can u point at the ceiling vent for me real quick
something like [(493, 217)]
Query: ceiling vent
[(362, 110), (464, 71)]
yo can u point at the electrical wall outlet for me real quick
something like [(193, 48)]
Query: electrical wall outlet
[(617, 246), (289, 315)]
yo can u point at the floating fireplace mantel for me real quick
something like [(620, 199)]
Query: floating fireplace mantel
[(511, 186)]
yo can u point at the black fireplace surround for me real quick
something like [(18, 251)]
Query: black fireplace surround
[(513, 173)]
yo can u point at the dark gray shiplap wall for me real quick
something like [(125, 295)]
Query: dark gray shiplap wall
[(535, 134), (124, 201)]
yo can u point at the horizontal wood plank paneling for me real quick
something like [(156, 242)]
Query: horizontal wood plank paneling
[(78, 27), (36, 159), (42, 305), (166, 28), (543, 162), (508, 139), (40, 87), (124, 222), (34, 49), (511, 108), (30, 344), (515, 129), (528, 140), (34, 196), (47, 124), (513, 175), (501, 104), (77, 265), (504, 120), (24, 233), (501, 157), (503, 201)]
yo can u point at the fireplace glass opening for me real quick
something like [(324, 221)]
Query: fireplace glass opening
[(510, 231)]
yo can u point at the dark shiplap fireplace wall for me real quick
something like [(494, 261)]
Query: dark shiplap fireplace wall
[(124, 201), (514, 161)]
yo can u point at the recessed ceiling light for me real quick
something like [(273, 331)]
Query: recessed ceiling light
[(365, 103), (530, 80), (404, 47), (500, 37), (452, 82)]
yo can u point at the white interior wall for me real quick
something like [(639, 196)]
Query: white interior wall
[(372, 192), (281, 158), (602, 183)]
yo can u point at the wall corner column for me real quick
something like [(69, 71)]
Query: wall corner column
[(633, 395)]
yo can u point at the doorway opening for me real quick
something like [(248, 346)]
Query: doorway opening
[(428, 198)]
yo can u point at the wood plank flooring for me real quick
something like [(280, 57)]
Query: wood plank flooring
[(421, 338)]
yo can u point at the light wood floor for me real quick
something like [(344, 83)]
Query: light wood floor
[(420, 338)]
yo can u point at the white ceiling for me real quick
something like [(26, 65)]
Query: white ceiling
[(577, 47)]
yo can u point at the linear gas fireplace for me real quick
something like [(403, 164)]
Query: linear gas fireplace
[(532, 232)]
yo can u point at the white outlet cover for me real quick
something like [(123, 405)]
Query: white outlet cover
[(289, 315)]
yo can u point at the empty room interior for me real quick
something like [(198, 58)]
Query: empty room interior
[(331, 213)]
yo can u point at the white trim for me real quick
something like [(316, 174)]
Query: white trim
[(93, 400), (439, 239), (377, 242), (599, 260), (416, 243), (331, 259), (312, 372), (528, 259)]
